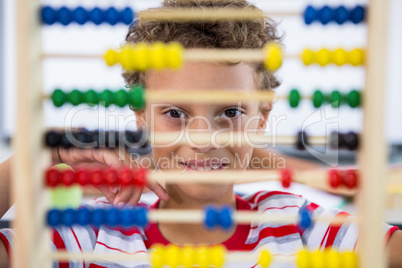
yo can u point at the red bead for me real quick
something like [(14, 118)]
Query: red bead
[(68, 177), (97, 177), (350, 179), (286, 178), (140, 177), (110, 176), (83, 177), (125, 176), (334, 178), (52, 177)]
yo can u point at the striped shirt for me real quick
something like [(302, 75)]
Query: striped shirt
[(281, 239)]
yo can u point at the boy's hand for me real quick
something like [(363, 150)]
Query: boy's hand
[(129, 195)]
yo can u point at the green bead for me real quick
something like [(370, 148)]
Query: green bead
[(59, 98), (353, 98), (120, 98), (91, 97), (336, 99), (136, 98), (318, 98), (76, 97), (294, 98), (106, 97)]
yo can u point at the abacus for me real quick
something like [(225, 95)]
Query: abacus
[(31, 173)]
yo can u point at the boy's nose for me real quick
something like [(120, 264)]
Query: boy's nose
[(201, 124)]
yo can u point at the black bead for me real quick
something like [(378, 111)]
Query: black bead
[(302, 140), (95, 137), (83, 136), (351, 140), (52, 139), (111, 139), (65, 140), (336, 140)]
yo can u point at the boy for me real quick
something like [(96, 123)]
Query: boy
[(279, 239)]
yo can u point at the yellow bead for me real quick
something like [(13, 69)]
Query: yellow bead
[(349, 259), (217, 255), (273, 56), (356, 57), (187, 256), (323, 57), (126, 58), (317, 259), (332, 258), (111, 57), (303, 259), (339, 57), (308, 57), (201, 256), (158, 55), (265, 258), (172, 254), (174, 55), (157, 256), (141, 55)]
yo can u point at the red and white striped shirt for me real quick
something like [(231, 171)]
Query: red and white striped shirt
[(283, 239)]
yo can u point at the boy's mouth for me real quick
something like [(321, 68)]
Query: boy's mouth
[(208, 165)]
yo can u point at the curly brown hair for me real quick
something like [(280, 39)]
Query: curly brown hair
[(235, 34)]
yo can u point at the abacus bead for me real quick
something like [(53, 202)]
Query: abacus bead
[(111, 57), (334, 178), (126, 217), (83, 216), (112, 217), (265, 259), (106, 97), (341, 15), (303, 259), (211, 217), (318, 98), (351, 140), (353, 98), (65, 141), (286, 178), (49, 15), (84, 138), (335, 140), (80, 15), (217, 255), (52, 177), (357, 14), (125, 176), (65, 16), (187, 256), (310, 15), (308, 56), (142, 55), (339, 56), (273, 56), (157, 55), (294, 98), (349, 259), (333, 259), (59, 98), (83, 177), (97, 177), (91, 97), (127, 16), (225, 218), (68, 177), (336, 99), (174, 52), (172, 255), (136, 98), (356, 57), (317, 259), (110, 177), (202, 257), (97, 16), (350, 179), (323, 57), (75, 97), (140, 177), (120, 98), (141, 217), (157, 256), (98, 217), (301, 140), (112, 16), (305, 220), (325, 15), (127, 58), (54, 217), (52, 139), (68, 217)]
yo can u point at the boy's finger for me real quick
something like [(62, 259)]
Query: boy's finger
[(110, 196), (123, 196), (135, 197), (159, 191)]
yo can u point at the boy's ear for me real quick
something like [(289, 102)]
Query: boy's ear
[(265, 109)]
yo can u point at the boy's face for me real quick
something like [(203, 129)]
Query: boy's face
[(203, 117)]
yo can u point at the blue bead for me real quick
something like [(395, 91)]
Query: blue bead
[(310, 15), (341, 15), (49, 15), (68, 217), (98, 217), (140, 216), (83, 216), (305, 219), (127, 16), (65, 16), (97, 15), (112, 16), (225, 218), (112, 217), (325, 15), (54, 217), (126, 217), (357, 14), (80, 15), (211, 217)]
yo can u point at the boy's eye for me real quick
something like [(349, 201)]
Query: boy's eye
[(174, 113), (231, 113)]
